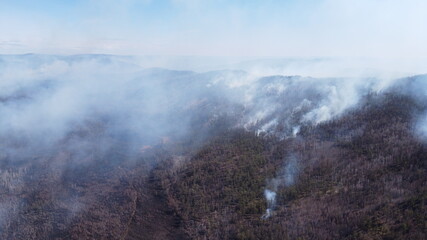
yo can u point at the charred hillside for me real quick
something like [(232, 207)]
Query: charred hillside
[(359, 176), (130, 153)]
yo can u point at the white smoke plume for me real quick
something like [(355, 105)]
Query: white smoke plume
[(270, 197), (286, 178)]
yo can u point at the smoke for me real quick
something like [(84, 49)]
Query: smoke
[(89, 107), (416, 88), (279, 105), (270, 197), (423, 127), (46, 99), (286, 178)]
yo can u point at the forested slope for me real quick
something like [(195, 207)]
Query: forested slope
[(283, 158)]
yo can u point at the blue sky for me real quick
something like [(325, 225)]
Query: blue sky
[(287, 28)]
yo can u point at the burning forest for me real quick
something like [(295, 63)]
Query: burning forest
[(213, 119), (156, 153)]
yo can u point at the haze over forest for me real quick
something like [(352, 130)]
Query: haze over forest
[(175, 119)]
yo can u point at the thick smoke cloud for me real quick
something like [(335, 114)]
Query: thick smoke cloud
[(44, 99)]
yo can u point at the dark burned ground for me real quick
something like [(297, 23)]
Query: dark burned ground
[(153, 217), (361, 176), (96, 201), (143, 213)]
